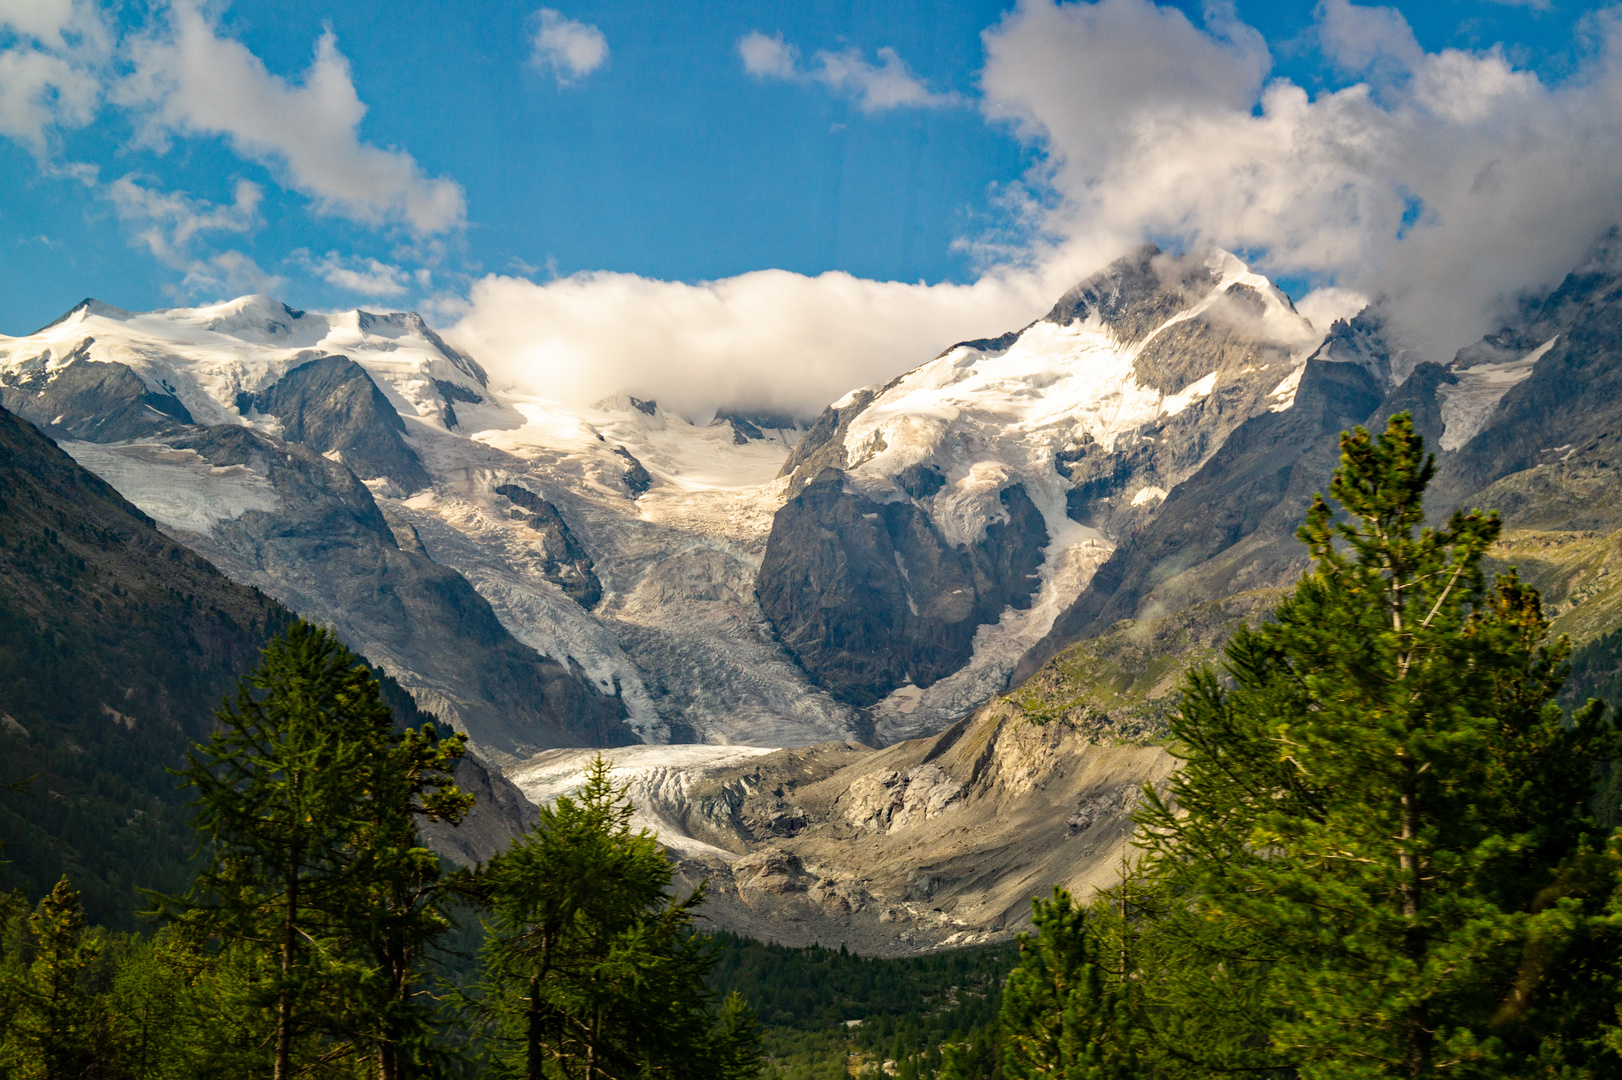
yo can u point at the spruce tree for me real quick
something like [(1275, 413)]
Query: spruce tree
[(1381, 825)]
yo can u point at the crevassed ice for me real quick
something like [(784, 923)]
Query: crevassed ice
[(1468, 403)]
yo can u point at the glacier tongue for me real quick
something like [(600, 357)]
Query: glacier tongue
[(1468, 403), (177, 488)]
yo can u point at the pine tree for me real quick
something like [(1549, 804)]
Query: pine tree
[(56, 1020), (592, 969), (1381, 819)]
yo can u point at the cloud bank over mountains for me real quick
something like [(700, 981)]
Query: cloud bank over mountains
[(768, 340), (1445, 182)]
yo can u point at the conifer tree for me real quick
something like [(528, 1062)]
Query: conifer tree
[(308, 803), (1061, 1016), (1381, 822), (592, 969), (400, 891), (53, 1029)]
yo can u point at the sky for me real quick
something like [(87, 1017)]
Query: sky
[(763, 205)]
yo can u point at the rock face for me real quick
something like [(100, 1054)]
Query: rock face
[(320, 545), (566, 563), (984, 484), (868, 596), (87, 399), (1235, 519), (332, 406), (1525, 421)]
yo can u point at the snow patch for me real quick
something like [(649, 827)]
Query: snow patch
[(1173, 404), (177, 488), (1283, 394)]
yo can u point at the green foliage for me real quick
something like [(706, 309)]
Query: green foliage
[(54, 1021), (592, 969), (1061, 1018), (1378, 858), (313, 874)]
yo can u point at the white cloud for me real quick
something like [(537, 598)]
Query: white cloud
[(765, 56), (369, 277), (57, 24), (224, 275), (193, 81), (50, 73), (168, 223), (1445, 183), (768, 340), (572, 50), (889, 84)]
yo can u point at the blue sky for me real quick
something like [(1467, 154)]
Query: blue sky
[(407, 154)]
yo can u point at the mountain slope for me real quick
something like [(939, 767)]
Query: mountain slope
[(116, 646), (260, 460), (939, 523)]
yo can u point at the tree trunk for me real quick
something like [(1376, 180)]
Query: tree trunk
[(533, 1058), (1417, 1021), (389, 1063), (284, 997)]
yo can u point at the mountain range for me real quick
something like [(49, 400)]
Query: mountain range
[(879, 674)]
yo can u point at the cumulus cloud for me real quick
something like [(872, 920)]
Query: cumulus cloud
[(49, 72), (191, 81), (369, 277), (765, 340), (888, 84), (1445, 182), (169, 224), (572, 50), (223, 275), (768, 56)]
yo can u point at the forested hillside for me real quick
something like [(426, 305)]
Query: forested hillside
[(116, 645)]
